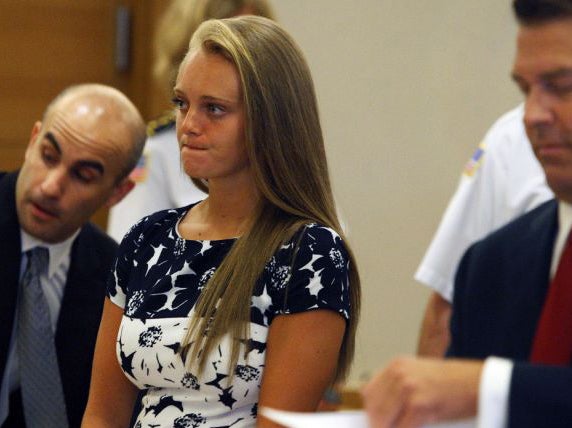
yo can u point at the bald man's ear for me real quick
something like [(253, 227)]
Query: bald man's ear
[(33, 135), (121, 190)]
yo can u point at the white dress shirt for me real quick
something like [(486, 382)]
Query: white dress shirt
[(53, 285)]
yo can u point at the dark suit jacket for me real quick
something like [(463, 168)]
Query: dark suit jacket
[(92, 256), (500, 288)]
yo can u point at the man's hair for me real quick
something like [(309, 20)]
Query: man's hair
[(530, 12)]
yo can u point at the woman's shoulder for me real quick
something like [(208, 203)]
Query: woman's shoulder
[(310, 271), (319, 229), (318, 237), (311, 242)]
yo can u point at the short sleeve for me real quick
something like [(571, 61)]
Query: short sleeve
[(119, 277), (319, 277), (473, 211), (502, 181)]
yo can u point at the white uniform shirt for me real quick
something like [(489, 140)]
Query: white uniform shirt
[(161, 183), (502, 180)]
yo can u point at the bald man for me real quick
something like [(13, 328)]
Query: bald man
[(77, 160)]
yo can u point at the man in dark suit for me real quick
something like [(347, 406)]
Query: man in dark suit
[(78, 159), (512, 289)]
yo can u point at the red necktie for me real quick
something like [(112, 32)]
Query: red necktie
[(553, 340)]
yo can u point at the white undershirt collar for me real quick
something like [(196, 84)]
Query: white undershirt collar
[(564, 224), (58, 252)]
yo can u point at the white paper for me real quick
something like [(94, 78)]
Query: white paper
[(354, 419), (341, 419)]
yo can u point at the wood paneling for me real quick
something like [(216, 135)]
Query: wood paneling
[(47, 45), (157, 100)]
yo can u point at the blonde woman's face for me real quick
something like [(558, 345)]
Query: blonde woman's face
[(210, 118)]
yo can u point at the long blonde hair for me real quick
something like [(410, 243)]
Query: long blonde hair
[(286, 151), (179, 22)]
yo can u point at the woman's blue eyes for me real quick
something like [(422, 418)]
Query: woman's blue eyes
[(215, 109), (177, 103), (210, 108)]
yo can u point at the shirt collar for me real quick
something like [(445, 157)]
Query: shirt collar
[(564, 224), (59, 252), (564, 217)]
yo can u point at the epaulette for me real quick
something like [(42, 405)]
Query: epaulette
[(163, 122)]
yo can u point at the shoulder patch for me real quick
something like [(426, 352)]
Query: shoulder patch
[(139, 173), (163, 122), (475, 162)]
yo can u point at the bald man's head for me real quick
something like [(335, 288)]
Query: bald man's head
[(101, 105), (77, 160)]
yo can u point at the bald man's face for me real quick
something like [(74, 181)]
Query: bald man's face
[(71, 168)]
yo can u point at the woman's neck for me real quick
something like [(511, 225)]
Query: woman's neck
[(227, 212)]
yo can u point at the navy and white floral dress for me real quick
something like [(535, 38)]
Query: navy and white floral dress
[(157, 279)]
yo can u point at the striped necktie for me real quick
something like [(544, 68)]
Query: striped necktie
[(42, 392)]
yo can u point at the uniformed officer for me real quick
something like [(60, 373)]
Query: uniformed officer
[(501, 181)]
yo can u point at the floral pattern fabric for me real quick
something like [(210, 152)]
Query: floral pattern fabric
[(157, 279)]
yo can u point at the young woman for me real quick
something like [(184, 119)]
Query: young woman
[(160, 182), (250, 297)]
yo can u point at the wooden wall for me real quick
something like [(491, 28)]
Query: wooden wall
[(47, 45)]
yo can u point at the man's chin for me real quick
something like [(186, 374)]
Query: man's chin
[(44, 231), (560, 182)]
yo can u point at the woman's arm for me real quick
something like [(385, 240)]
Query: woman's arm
[(111, 395), (301, 358)]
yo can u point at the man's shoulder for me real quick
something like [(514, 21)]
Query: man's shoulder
[(510, 119), (92, 235), (8, 177), (539, 221), (92, 255), (507, 130), (519, 251), (161, 147), (8, 216), (161, 124)]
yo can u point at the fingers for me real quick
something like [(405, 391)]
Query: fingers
[(417, 411), (411, 392), (385, 395)]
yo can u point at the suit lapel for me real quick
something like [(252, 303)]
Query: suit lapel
[(532, 278), (81, 292), (79, 318)]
